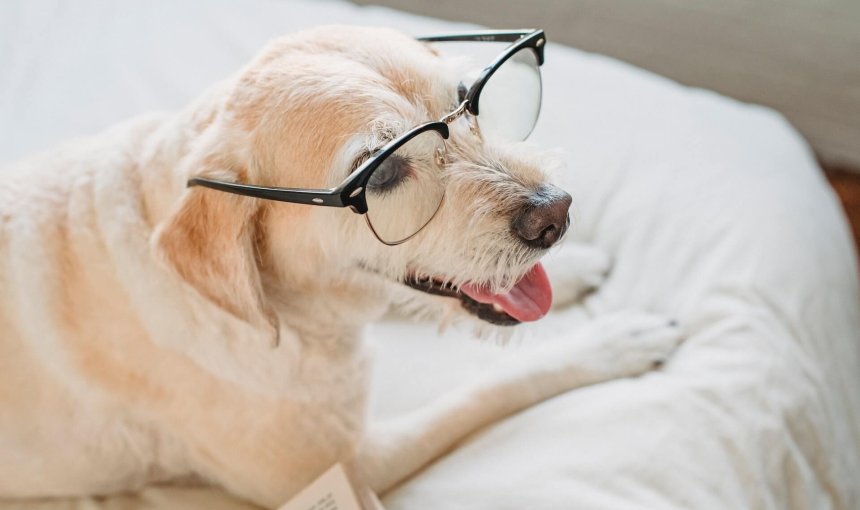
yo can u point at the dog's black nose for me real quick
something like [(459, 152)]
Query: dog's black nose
[(544, 219)]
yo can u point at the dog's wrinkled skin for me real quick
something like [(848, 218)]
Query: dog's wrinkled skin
[(152, 331)]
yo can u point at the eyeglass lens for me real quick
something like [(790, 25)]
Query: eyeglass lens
[(405, 190)]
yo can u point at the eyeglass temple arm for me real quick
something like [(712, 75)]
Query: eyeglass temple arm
[(483, 36), (324, 197)]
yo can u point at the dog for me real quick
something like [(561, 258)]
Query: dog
[(154, 332)]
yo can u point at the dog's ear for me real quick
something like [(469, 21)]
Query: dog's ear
[(209, 240)]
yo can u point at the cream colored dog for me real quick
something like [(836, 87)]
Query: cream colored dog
[(153, 332)]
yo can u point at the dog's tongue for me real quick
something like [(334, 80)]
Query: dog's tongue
[(529, 300)]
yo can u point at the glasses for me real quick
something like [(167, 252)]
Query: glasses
[(400, 187)]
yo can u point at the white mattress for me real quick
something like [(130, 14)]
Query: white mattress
[(714, 212)]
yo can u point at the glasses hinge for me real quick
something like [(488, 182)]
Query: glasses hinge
[(451, 117)]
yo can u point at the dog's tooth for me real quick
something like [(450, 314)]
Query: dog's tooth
[(498, 308)]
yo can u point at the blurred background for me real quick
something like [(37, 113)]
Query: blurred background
[(800, 57)]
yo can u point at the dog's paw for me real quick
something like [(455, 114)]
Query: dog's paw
[(574, 270), (629, 343)]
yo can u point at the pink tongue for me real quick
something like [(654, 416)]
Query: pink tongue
[(529, 300)]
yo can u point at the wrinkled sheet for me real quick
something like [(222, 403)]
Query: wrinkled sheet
[(713, 211)]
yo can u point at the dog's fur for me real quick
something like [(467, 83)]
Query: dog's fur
[(152, 332)]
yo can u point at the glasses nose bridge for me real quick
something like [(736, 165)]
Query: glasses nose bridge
[(457, 113)]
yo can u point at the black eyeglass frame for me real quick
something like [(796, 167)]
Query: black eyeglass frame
[(351, 192)]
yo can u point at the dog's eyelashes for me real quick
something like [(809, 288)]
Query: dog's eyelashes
[(362, 158), (461, 93), (359, 160), (389, 173)]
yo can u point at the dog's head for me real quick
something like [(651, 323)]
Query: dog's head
[(308, 111)]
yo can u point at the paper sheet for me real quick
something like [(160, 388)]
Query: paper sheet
[(331, 491)]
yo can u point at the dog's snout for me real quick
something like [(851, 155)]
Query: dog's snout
[(544, 218)]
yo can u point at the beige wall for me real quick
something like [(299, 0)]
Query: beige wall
[(801, 57)]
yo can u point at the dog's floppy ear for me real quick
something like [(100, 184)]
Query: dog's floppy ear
[(209, 240)]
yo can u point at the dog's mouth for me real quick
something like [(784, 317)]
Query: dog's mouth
[(528, 300)]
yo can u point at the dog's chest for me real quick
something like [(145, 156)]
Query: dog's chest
[(318, 416), (332, 384)]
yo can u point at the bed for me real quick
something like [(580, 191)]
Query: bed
[(713, 212)]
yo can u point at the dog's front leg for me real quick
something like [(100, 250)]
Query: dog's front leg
[(618, 345)]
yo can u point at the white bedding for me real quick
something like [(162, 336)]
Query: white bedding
[(714, 212)]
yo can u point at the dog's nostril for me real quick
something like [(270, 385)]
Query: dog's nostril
[(550, 234), (545, 219)]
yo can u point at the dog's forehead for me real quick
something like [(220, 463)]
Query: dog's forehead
[(323, 89), (384, 49), (351, 64)]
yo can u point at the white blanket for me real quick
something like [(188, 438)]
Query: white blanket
[(713, 211)]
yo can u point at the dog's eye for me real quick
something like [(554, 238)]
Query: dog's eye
[(461, 93), (389, 173)]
